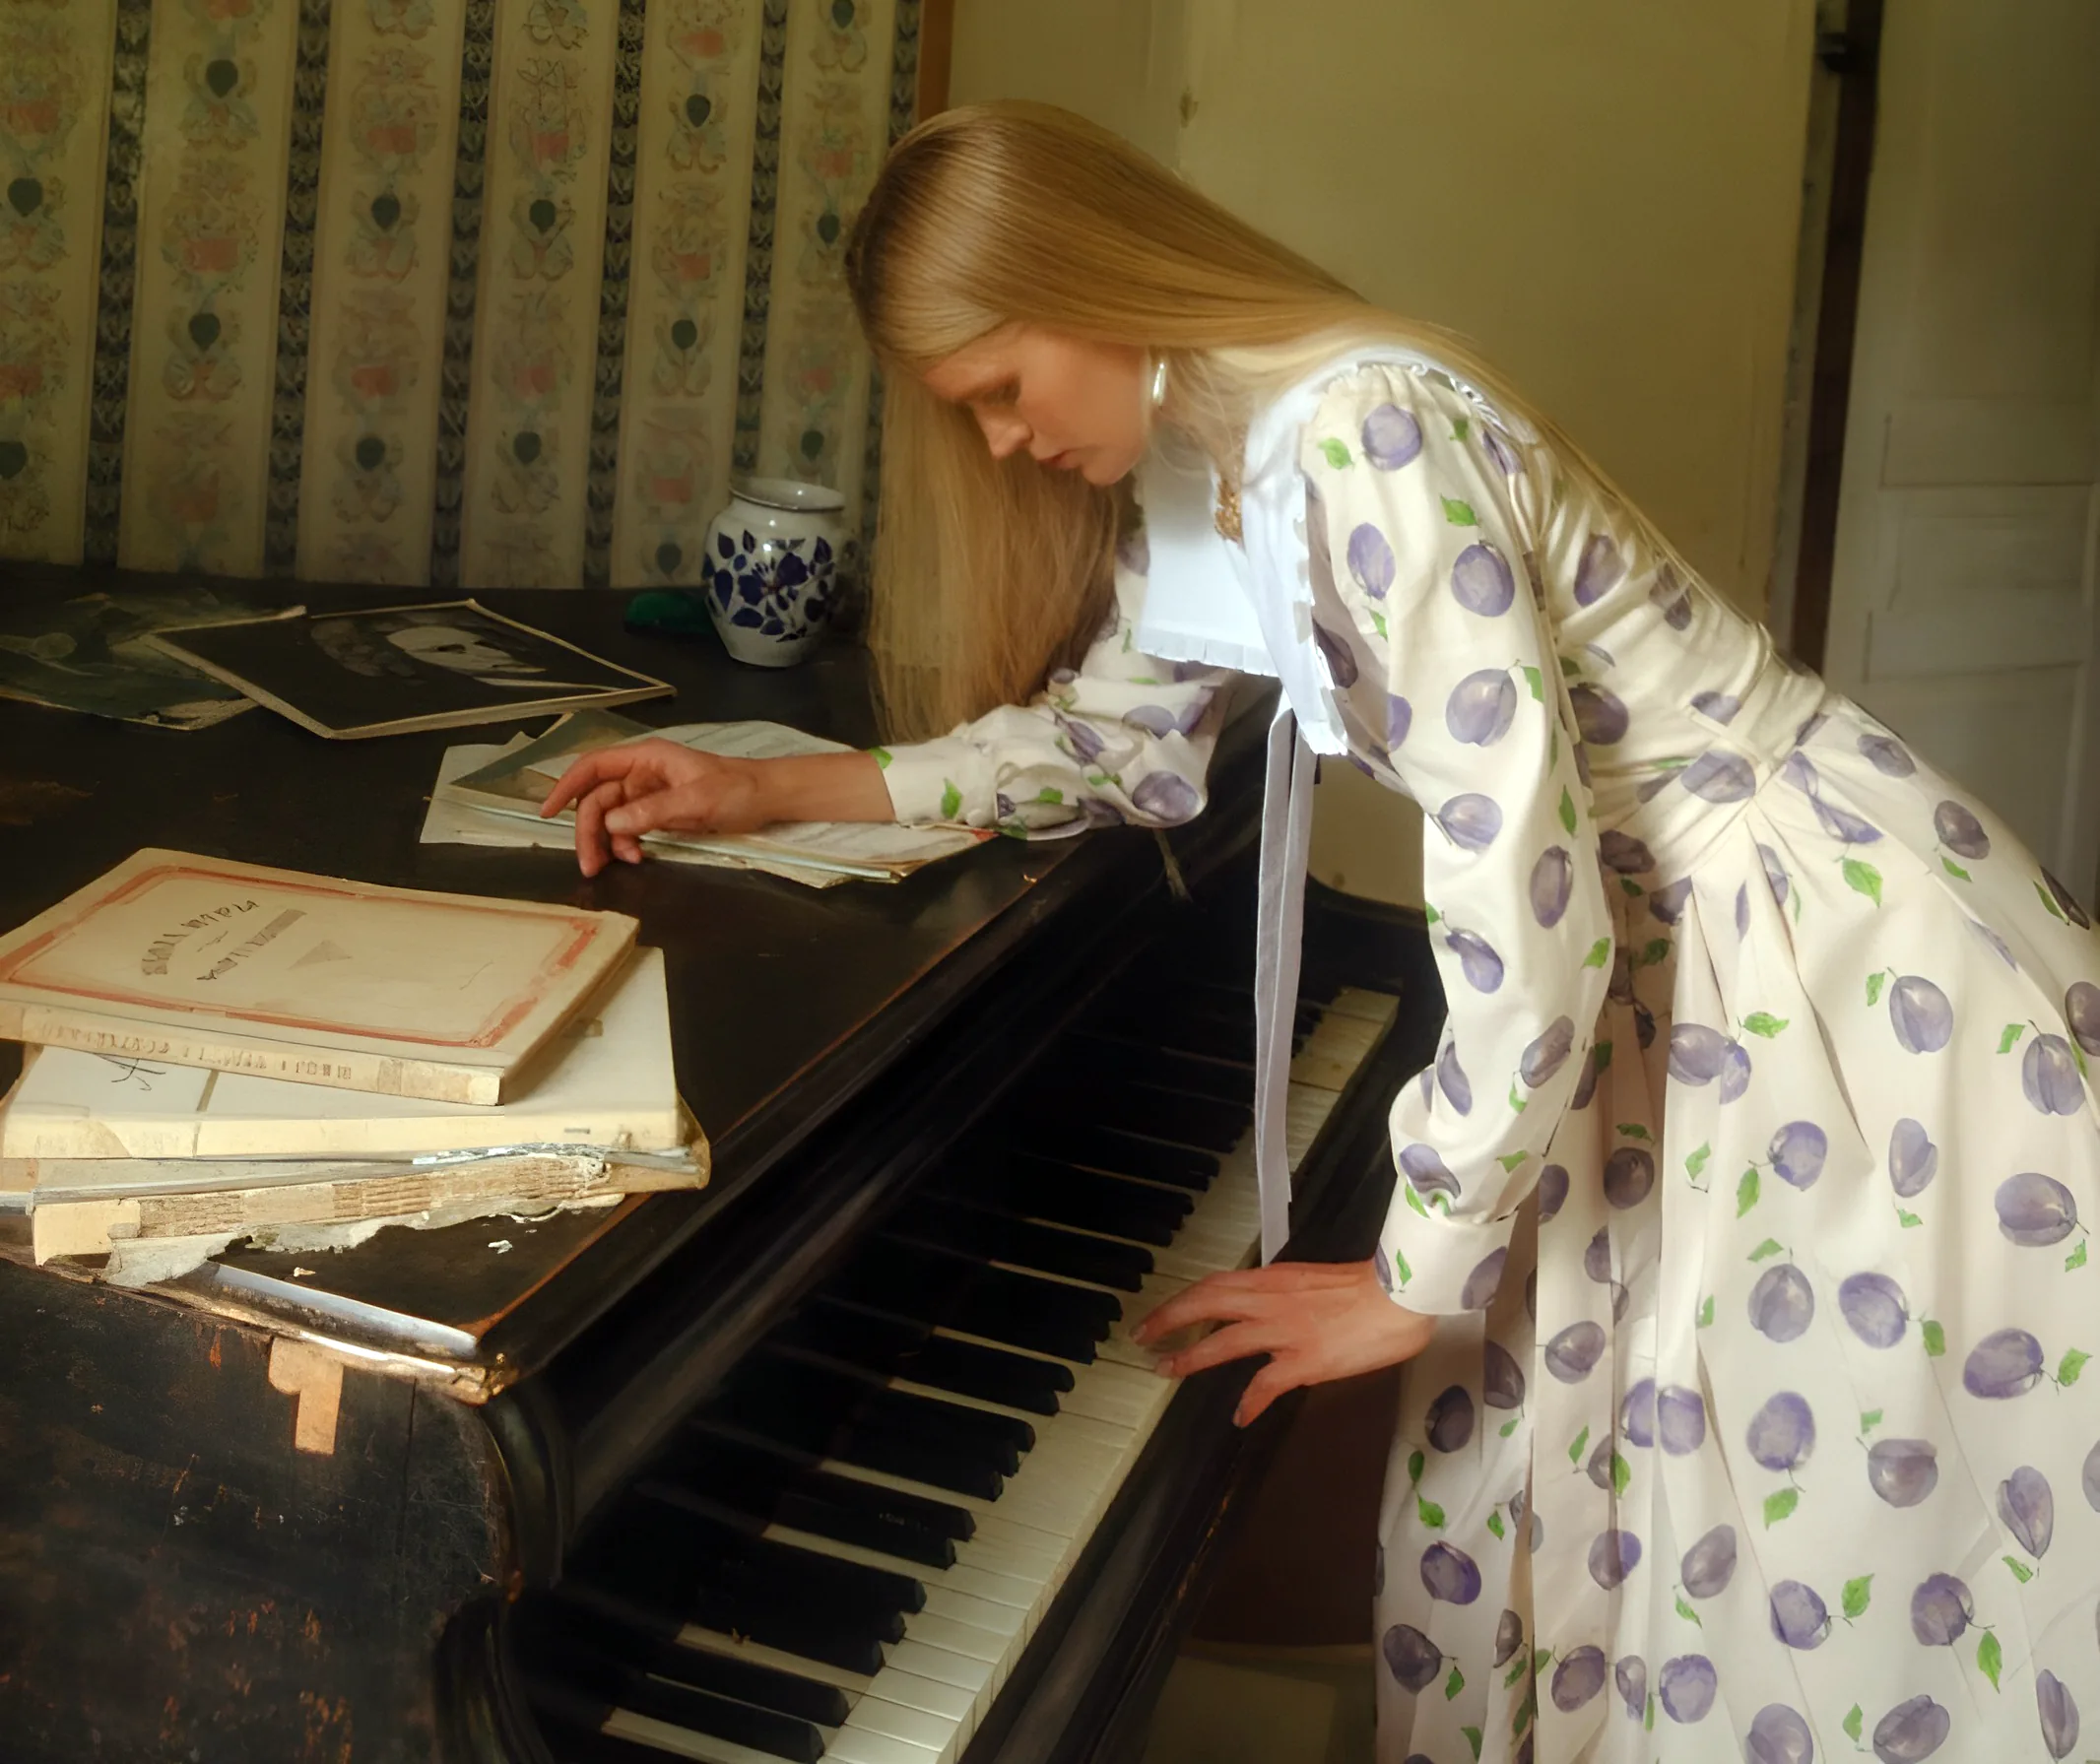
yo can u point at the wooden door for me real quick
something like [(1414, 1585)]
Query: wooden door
[(1962, 598)]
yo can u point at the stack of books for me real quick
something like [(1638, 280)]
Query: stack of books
[(220, 1050)]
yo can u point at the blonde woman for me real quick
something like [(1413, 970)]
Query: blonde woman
[(1739, 1249)]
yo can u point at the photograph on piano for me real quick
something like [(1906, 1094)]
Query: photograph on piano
[(1461, 1124)]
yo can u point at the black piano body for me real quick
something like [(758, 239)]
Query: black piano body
[(292, 1510)]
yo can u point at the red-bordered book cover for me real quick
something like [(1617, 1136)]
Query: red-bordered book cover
[(203, 961)]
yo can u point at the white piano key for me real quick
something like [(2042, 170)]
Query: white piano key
[(1379, 1008), (1337, 1045), (1113, 1393), (863, 1745), (963, 1638), (983, 1613), (875, 1714), (1305, 1112), (927, 1696), (924, 1660), (994, 1528)]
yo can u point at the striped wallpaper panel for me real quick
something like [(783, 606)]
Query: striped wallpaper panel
[(429, 292), (54, 130), (213, 174), (381, 261)]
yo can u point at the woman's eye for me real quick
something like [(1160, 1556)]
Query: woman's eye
[(1000, 396)]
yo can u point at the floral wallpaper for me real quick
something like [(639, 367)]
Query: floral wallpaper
[(451, 292), (376, 344), (213, 179), (54, 72)]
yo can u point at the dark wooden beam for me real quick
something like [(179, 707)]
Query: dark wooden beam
[(1855, 56), (937, 47)]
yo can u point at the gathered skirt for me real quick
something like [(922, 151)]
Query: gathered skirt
[(1780, 1442)]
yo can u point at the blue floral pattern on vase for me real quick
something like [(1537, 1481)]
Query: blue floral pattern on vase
[(772, 571), (778, 595)]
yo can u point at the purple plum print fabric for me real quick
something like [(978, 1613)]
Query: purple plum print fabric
[(1754, 1177), (1124, 738), (1755, 1174)]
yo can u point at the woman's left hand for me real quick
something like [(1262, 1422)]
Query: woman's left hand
[(1315, 1320)]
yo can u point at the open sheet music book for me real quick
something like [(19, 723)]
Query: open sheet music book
[(190, 960), (517, 782)]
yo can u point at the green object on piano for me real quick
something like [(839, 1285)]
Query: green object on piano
[(667, 612)]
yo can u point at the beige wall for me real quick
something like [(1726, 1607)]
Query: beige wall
[(1604, 196)]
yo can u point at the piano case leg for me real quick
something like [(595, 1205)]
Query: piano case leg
[(178, 1580)]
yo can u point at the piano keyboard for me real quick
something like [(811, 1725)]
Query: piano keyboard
[(841, 1554)]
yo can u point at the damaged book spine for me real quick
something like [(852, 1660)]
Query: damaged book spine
[(528, 1185)]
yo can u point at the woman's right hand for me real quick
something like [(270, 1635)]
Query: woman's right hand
[(656, 786)]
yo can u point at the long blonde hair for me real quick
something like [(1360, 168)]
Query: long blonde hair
[(988, 574)]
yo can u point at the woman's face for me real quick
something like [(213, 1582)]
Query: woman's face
[(446, 646), (1068, 403)]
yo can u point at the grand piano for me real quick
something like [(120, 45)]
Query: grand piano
[(846, 1457)]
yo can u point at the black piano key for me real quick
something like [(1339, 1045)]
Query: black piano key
[(1177, 1118), (698, 1712), (769, 1573), (626, 1580), (1210, 1022), (551, 1629), (867, 1338), (857, 1421), (950, 1224), (869, 1530), (670, 1690), (939, 1464), (901, 1349), (680, 1567), (868, 1404), (776, 1491), (1030, 1187), (1112, 1153), (773, 1465), (1085, 1057), (950, 1291), (972, 1369), (1210, 1037)]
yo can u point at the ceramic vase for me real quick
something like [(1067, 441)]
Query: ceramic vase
[(772, 561)]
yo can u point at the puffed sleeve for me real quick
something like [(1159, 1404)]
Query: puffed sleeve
[(1126, 738), (1415, 527)]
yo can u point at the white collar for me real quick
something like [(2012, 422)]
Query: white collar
[(1262, 622)]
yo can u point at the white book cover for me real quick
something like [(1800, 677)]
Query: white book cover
[(191, 961), (608, 1084)]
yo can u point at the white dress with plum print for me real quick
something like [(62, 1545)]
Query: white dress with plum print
[(1752, 1179)]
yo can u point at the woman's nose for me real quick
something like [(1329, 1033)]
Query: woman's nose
[(1005, 433)]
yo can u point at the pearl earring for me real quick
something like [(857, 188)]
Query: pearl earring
[(1158, 384)]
